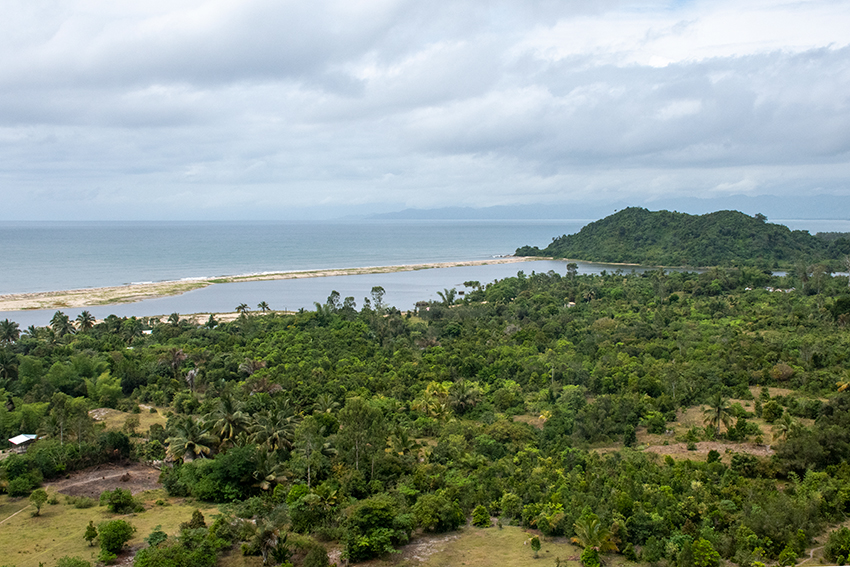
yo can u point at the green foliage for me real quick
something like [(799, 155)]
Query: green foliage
[(375, 526), (481, 517), (535, 544), (38, 498), (114, 534), (317, 556), (662, 238), (704, 554), (838, 545), (436, 513), (68, 561), (91, 533), (119, 501), (589, 557)]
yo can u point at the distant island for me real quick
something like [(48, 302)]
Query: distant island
[(723, 238)]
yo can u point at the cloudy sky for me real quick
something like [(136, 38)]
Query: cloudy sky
[(275, 108)]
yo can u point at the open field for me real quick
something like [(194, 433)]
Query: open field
[(139, 292), (27, 541)]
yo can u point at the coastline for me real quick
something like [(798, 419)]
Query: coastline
[(132, 293)]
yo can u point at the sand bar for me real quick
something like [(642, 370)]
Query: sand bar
[(138, 292)]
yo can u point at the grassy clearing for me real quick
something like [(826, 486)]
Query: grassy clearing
[(477, 547), (27, 541), (114, 419)]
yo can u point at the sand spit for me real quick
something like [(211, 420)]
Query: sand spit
[(138, 292)]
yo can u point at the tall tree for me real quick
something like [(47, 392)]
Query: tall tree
[(718, 412), (61, 324), (85, 321), (362, 432), (9, 331), (190, 439)]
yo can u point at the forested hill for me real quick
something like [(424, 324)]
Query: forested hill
[(722, 238)]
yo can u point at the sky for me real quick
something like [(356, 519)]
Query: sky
[(291, 109)]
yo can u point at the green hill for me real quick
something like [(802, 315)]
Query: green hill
[(664, 238)]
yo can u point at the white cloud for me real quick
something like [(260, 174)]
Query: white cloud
[(211, 107)]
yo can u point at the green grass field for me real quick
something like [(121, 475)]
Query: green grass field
[(27, 541)]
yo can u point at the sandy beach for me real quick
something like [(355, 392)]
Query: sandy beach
[(138, 292)]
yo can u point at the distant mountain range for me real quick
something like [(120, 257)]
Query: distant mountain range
[(722, 238), (773, 207)]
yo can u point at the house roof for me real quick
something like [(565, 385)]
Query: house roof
[(22, 438)]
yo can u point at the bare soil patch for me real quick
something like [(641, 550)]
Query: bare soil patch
[(703, 447), (91, 482)]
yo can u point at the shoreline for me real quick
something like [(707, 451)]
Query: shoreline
[(132, 293)]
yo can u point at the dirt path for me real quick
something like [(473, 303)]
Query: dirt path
[(811, 555), (16, 513), (91, 482)]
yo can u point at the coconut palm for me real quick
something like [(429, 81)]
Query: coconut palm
[(242, 308), (784, 426), (173, 358), (448, 296), (463, 396), (190, 439), (268, 470), (718, 412), (274, 428), (591, 533), (85, 321), (249, 366), (263, 306), (325, 403), (228, 420), (61, 324), (9, 331)]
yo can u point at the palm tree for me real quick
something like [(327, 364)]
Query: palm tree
[(274, 428), (61, 324), (269, 471), (249, 366), (242, 308), (8, 364), (190, 439), (228, 420), (463, 396), (448, 296), (173, 358), (325, 403), (9, 331), (263, 306), (590, 533), (784, 426), (717, 412), (86, 321)]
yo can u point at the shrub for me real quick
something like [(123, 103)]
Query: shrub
[(317, 556), (20, 486), (114, 534), (481, 517), (436, 513), (69, 561), (838, 545), (119, 501), (80, 502)]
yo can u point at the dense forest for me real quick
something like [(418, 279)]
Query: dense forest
[(534, 400), (722, 238)]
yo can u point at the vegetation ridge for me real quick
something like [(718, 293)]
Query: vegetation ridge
[(723, 238)]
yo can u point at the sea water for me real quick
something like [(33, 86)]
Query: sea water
[(57, 256)]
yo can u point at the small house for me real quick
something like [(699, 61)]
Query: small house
[(21, 442)]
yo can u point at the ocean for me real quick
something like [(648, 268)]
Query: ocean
[(50, 256)]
